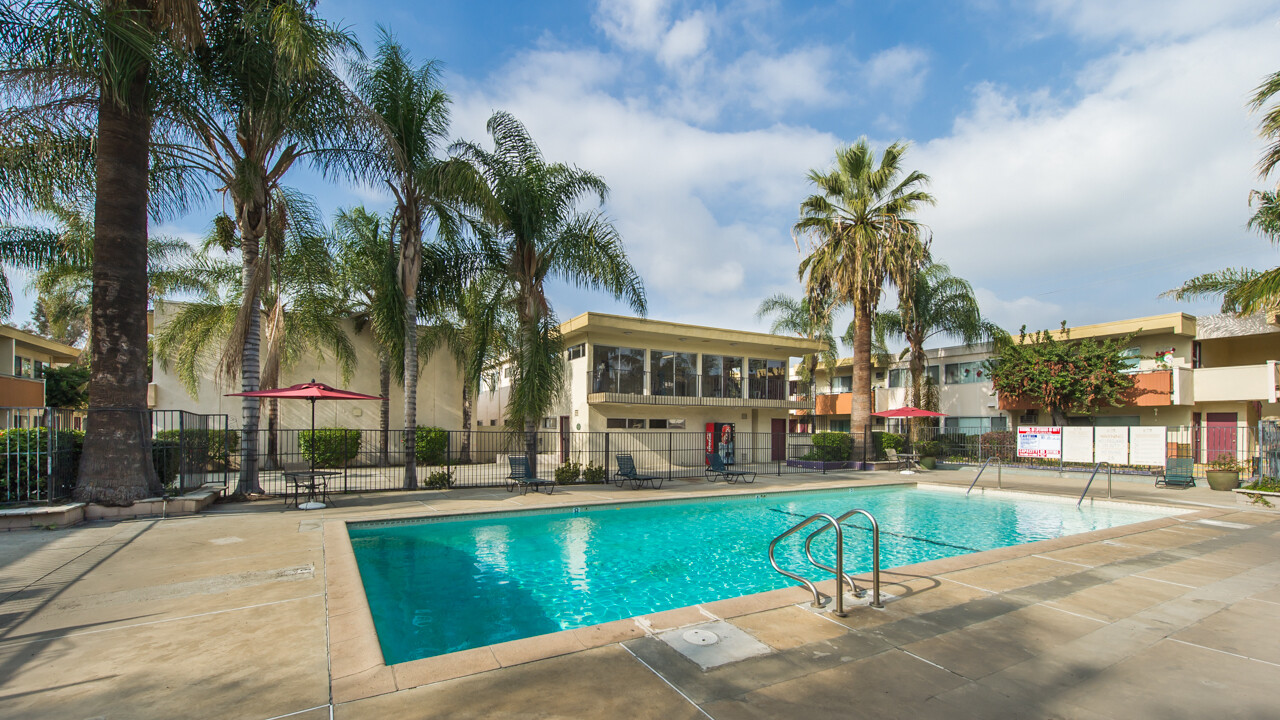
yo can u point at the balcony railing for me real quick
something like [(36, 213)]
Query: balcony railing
[(1234, 384), (650, 388)]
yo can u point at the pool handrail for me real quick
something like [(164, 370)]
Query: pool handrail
[(817, 596), (999, 473), (1092, 476), (875, 556)]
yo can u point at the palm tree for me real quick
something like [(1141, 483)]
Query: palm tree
[(793, 316), (411, 125), (366, 266), (301, 304), (862, 235), (88, 90), (261, 96), (537, 232), (476, 330), (934, 303)]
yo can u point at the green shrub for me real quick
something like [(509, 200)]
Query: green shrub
[(568, 473), (830, 447), (1001, 444), (929, 448), (887, 441), (331, 447), (430, 444), (594, 474), (26, 460), (438, 480)]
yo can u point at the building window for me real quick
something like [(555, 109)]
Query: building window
[(1196, 361), (618, 370), (721, 376), (673, 373), (577, 351), (1132, 357), (898, 378), (840, 426), (656, 424), (493, 422), (675, 423), (974, 425), (39, 369), (479, 423), (843, 383), (768, 379), (506, 371), (548, 423), (624, 423), (963, 373)]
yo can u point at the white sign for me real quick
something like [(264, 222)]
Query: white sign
[(1111, 444), (1147, 446), (1040, 442), (1077, 444)]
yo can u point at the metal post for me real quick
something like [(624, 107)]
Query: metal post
[(999, 474), (344, 457), (1108, 482), (48, 442), (606, 457), (671, 439)]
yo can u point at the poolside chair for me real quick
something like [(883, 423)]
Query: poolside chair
[(627, 471), (521, 477), (1178, 472), (715, 470)]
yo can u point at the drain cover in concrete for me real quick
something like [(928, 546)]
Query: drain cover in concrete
[(714, 644)]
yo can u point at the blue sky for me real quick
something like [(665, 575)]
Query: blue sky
[(1086, 154)]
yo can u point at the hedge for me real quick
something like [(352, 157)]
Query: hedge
[(332, 446), (26, 454), (830, 447), (430, 444), (887, 441)]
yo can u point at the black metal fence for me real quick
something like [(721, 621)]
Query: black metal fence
[(365, 463), (41, 447), (1204, 444)]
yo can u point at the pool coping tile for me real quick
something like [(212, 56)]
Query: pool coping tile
[(352, 631)]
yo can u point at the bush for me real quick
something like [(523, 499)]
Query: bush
[(830, 447), (332, 447), (430, 445), (929, 448), (887, 441), (1002, 444), (26, 460), (594, 474), (439, 480), (568, 473)]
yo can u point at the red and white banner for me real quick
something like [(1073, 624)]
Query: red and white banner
[(1040, 442)]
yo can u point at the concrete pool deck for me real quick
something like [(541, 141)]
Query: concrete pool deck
[(233, 613)]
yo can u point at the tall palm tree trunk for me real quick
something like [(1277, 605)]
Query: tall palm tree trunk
[(252, 220), (273, 434), (917, 385), (116, 467), (464, 450), (410, 269), (384, 407), (862, 401)]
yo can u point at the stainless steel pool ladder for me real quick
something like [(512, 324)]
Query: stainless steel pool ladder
[(838, 570), (1090, 483), (999, 474)]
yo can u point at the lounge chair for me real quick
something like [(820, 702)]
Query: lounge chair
[(627, 472), (715, 470), (1178, 473), (521, 477)]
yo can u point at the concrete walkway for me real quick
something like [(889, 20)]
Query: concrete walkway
[(225, 615)]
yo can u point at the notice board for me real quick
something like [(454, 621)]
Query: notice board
[(1111, 444), (1077, 444), (1040, 442), (1147, 445)]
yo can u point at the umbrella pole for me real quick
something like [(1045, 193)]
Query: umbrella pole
[(313, 437)]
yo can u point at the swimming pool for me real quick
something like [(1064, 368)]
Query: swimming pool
[(439, 585)]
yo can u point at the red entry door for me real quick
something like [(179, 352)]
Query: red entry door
[(778, 439), (1220, 436)]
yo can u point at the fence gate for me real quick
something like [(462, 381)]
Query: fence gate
[(1269, 448)]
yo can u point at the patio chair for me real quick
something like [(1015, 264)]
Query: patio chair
[(715, 470), (627, 472), (521, 477), (1178, 472)]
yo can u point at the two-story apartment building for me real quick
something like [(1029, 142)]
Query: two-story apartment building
[(634, 374), (23, 359)]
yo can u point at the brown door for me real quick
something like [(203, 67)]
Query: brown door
[(1221, 435), (564, 438), (778, 439)]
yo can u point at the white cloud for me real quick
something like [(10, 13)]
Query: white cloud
[(1157, 20), (634, 24), (1154, 160), (685, 41), (777, 84), (900, 71)]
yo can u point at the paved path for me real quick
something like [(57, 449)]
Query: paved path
[(224, 616)]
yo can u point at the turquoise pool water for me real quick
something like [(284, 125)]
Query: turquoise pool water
[(441, 585)]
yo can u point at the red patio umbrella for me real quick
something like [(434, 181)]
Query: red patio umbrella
[(908, 412), (312, 391)]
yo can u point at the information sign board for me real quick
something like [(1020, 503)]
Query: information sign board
[(1040, 442)]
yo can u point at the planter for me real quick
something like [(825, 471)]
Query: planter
[(929, 463), (824, 464), (1258, 498), (1223, 479)]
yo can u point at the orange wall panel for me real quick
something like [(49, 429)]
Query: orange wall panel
[(841, 404), (21, 392)]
